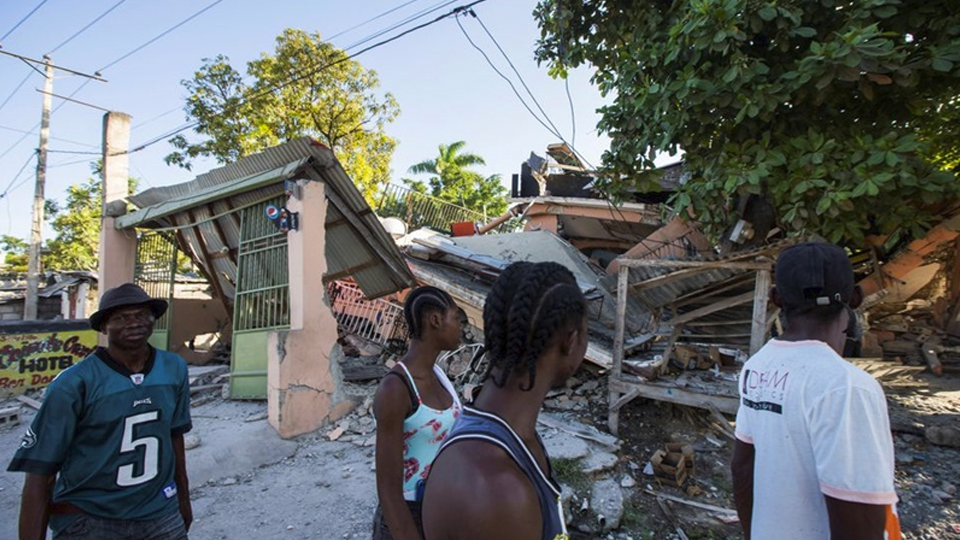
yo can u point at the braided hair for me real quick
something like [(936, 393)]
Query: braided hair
[(528, 304), (421, 301)]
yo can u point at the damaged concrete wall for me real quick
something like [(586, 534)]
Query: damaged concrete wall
[(303, 375)]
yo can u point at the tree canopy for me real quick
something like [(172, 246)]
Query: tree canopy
[(842, 113), (452, 180), (306, 87)]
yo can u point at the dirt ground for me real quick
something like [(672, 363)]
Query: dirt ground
[(247, 483)]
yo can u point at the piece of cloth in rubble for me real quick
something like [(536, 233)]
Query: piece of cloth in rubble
[(423, 433), (477, 425), (819, 426)]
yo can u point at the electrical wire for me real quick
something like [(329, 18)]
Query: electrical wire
[(15, 90), (160, 35), (61, 139), (573, 114), (419, 15), (514, 68), (9, 187), (513, 87), (552, 130), (312, 72), (370, 20), (23, 20), (115, 62), (87, 27)]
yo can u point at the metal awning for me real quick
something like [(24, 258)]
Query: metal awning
[(204, 214)]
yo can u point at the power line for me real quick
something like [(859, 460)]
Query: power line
[(111, 64), (23, 20), (523, 102), (514, 68), (16, 176), (61, 139), (312, 72), (17, 89), (573, 114), (370, 20), (87, 27), (408, 20), (552, 130), (160, 35)]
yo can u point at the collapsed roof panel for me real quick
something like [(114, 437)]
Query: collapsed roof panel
[(206, 214)]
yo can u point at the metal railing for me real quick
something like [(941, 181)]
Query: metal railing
[(419, 210), (155, 268), (377, 321)]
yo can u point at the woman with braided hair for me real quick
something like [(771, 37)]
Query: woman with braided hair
[(415, 408), (492, 477)]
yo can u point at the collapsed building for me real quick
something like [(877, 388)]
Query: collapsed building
[(305, 269)]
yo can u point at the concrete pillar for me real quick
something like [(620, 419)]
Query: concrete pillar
[(304, 383), (118, 249)]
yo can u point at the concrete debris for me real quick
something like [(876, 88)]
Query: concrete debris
[(606, 500), (191, 441), (598, 462), (564, 446)]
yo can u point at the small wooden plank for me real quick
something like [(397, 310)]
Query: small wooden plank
[(661, 263), (695, 504), (758, 328), (613, 414), (29, 402), (673, 394), (637, 341), (713, 308), (204, 388)]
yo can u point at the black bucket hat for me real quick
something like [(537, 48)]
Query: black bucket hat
[(126, 295)]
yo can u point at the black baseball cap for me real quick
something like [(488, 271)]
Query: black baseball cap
[(814, 274)]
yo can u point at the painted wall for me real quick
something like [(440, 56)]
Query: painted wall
[(33, 353), (193, 317)]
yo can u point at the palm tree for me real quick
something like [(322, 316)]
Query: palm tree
[(452, 180), (450, 161)]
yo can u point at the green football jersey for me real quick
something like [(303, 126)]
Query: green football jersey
[(106, 433)]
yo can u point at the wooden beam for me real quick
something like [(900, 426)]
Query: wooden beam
[(613, 413), (729, 265), (699, 296), (204, 256), (674, 394), (713, 308), (667, 278), (758, 328)]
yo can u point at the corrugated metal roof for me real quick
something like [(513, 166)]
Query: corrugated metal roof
[(204, 211)]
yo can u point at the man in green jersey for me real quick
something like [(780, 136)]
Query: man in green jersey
[(104, 457)]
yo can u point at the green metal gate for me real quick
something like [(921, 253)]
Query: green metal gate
[(155, 270), (262, 301)]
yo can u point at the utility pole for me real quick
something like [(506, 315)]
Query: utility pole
[(36, 222), (30, 306)]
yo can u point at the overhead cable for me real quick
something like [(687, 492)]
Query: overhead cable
[(87, 27), (23, 20)]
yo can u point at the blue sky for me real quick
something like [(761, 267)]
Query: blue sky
[(445, 89)]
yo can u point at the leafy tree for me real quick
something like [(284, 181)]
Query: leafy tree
[(306, 87), (842, 113), (77, 228), (451, 180), (14, 254)]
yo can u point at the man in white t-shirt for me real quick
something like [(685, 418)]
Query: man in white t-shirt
[(814, 454)]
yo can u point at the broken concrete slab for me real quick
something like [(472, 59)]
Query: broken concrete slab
[(606, 500), (599, 462), (230, 453), (564, 446)]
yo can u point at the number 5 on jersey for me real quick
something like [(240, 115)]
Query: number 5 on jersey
[(151, 451)]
